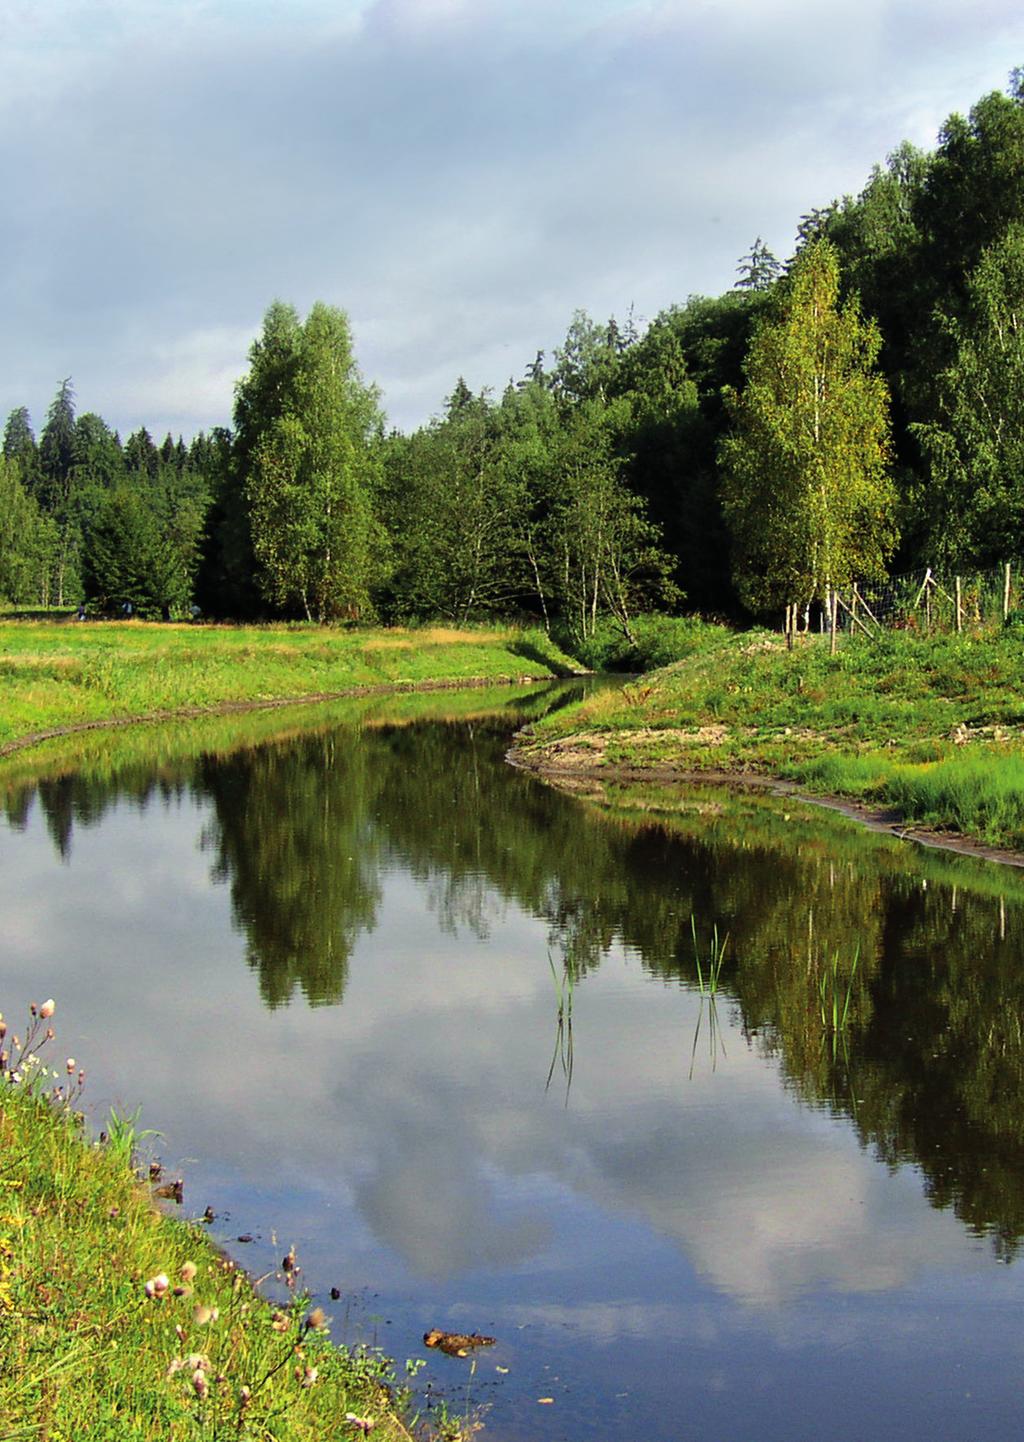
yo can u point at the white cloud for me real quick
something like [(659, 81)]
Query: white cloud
[(459, 176)]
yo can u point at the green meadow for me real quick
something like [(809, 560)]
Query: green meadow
[(928, 726), (63, 674)]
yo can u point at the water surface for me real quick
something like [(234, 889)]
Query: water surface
[(327, 953)]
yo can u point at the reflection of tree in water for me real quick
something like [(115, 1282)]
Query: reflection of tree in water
[(931, 1069), (294, 838), (68, 800)]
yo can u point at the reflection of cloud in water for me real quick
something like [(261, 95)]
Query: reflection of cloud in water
[(419, 1106)]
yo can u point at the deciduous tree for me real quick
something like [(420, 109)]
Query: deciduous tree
[(807, 491), (313, 474)]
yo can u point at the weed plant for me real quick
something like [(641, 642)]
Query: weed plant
[(563, 1053), (834, 992), (708, 970), (119, 1323)]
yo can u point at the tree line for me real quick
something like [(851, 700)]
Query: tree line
[(854, 407)]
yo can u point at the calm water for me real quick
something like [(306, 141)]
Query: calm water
[(320, 954)]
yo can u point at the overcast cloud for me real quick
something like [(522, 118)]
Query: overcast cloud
[(459, 175)]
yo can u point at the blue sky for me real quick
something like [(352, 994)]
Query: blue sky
[(459, 175)]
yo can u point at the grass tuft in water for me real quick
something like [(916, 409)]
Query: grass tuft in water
[(835, 990), (563, 1052), (709, 970)]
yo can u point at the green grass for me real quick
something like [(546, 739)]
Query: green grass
[(658, 641), (933, 727), (67, 674), (710, 969), (125, 1322)]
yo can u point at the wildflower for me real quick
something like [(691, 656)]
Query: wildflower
[(188, 1271), (200, 1383), (316, 1319), (203, 1314), (158, 1286), (309, 1376), (244, 1396), (70, 1064), (361, 1424), (47, 1009), (279, 1322)]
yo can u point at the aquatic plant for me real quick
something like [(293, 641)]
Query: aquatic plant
[(123, 1135), (563, 1052), (834, 993), (710, 969)]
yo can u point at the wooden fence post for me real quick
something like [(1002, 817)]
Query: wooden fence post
[(1006, 591)]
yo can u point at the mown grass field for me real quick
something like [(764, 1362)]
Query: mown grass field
[(121, 1324), (57, 674), (933, 727)]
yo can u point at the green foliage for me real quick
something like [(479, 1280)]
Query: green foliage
[(655, 641), (457, 502), (28, 541), (136, 558), (312, 469), (807, 492), (975, 446)]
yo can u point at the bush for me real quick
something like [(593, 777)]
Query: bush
[(660, 640)]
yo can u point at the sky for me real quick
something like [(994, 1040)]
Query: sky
[(458, 175)]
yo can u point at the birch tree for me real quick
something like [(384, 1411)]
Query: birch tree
[(807, 492)]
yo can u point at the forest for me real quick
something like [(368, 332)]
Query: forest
[(851, 410)]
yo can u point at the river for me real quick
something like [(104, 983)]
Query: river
[(439, 1027)]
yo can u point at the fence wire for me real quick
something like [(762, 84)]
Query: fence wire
[(927, 601)]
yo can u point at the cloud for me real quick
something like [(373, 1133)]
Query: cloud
[(420, 1105), (459, 176)]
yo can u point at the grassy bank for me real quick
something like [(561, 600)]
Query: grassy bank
[(933, 727), (66, 674), (118, 1322)]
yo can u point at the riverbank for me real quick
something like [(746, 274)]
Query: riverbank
[(114, 1312), (929, 730), (58, 677)]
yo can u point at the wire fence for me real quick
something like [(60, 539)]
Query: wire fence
[(923, 601)]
